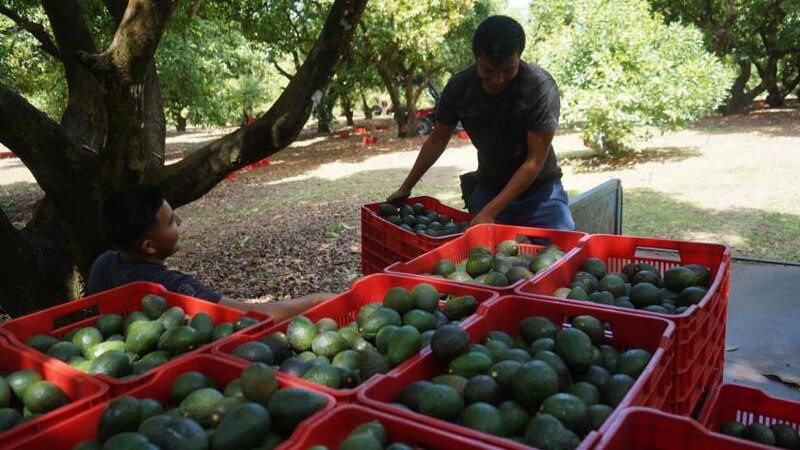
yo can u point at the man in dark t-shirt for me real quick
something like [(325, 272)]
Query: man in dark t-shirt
[(142, 225), (510, 109), (111, 269)]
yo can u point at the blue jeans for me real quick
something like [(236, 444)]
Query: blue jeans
[(545, 206)]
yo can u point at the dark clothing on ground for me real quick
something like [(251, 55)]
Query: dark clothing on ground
[(109, 271), (498, 124)]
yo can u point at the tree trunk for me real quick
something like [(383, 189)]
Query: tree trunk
[(411, 106), (367, 109), (347, 109), (740, 99), (37, 271), (65, 233), (180, 123), (324, 113), (769, 76)]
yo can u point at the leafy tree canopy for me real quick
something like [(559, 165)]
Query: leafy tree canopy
[(619, 82)]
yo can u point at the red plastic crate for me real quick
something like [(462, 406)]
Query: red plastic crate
[(122, 300), (390, 243), (344, 309), (747, 405), (628, 330), (649, 429), (490, 235), (699, 332), (332, 429), (82, 390), (83, 426)]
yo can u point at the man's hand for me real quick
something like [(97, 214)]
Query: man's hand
[(481, 217), (398, 197), (280, 309)]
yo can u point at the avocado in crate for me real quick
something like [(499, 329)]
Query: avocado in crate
[(382, 336), (119, 346), (528, 371), (25, 395), (779, 435), (545, 386), (503, 267), (414, 217), (249, 411), (639, 285)]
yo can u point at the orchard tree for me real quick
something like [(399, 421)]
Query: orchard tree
[(111, 132), (764, 34), (288, 29), (212, 86), (407, 41), (621, 71)]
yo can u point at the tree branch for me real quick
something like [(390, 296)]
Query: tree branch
[(35, 29), (196, 174), (281, 70), (46, 150), (84, 119), (134, 43)]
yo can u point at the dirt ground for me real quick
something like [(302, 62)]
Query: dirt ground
[(292, 227)]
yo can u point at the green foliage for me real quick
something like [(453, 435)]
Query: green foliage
[(761, 33), (29, 71), (210, 73), (622, 72)]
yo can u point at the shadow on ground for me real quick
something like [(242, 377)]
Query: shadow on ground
[(288, 238), (779, 122), (588, 162), (17, 199)]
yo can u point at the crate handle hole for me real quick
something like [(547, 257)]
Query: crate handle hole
[(657, 253)]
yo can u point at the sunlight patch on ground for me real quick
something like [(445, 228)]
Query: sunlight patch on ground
[(703, 236), (398, 160), (307, 142)]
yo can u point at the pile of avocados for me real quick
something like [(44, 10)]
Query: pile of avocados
[(418, 219), (250, 412), (367, 436), (25, 395), (504, 267), (546, 387), (382, 336), (119, 347), (780, 435), (640, 285)]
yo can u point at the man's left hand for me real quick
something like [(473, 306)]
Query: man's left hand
[(480, 218)]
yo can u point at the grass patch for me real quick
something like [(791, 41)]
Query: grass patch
[(749, 232)]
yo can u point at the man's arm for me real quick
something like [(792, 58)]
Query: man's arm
[(280, 310), (431, 150), (538, 144)]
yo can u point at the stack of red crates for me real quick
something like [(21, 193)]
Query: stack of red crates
[(700, 331), (384, 243), (82, 426), (627, 330), (344, 309), (747, 405), (645, 428), (82, 390), (332, 428), (60, 320), (489, 236)]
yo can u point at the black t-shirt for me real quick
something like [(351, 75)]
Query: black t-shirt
[(498, 124), (109, 270)]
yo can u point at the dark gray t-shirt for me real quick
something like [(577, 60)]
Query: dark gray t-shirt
[(109, 270), (498, 124)]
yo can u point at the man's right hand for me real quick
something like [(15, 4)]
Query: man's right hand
[(398, 196)]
